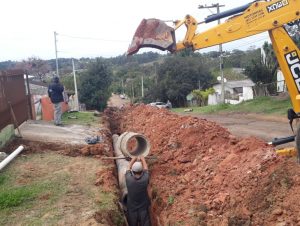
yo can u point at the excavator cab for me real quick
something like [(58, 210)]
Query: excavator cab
[(153, 33)]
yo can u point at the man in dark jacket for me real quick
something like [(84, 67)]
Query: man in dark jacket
[(55, 92), (138, 202)]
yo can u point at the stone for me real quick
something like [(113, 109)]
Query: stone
[(277, 211)]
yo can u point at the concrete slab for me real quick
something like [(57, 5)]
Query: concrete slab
[(47, 132)]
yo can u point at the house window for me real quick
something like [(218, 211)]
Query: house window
[(238, 90)]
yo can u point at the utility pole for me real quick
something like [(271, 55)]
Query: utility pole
[(55, 43), (132, 92), (142, 85), (217, 5), (75, 87)]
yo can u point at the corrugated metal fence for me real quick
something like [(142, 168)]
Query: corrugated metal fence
[(13, 98)]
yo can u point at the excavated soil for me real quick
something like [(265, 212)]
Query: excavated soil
[(206, 176)]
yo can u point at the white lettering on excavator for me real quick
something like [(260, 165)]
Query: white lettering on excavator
[(293, 62), (277, 5)]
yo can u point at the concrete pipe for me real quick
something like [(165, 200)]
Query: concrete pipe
[(122, 165), (141, 144)]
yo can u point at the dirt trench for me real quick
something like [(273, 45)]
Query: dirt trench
[(206, 176)]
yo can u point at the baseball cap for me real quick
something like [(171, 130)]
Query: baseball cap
[(137, 167)]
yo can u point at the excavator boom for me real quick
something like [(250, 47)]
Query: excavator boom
[(247, 20)]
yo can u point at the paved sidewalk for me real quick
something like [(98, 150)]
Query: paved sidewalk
[(47, 132)]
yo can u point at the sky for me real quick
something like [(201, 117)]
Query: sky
[(94, 28)]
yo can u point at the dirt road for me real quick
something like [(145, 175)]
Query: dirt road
[(243, 125), (116, 101)]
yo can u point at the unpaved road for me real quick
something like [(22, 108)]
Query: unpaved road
[(116, 101), (262, 126)]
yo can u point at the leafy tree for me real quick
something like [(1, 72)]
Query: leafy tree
[(202, 95), (177, 77), (294, 31), (94, 85), (263, 68), (5, 65)]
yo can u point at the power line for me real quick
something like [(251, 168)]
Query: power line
[(250, 42), (92, 38)]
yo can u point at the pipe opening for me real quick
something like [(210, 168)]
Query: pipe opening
[(137, 145)]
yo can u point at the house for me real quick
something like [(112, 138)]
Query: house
[(235, 92), (281, 85)]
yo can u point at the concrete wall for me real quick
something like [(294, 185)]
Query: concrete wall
[(281, 86), (215, 98), (6, 135), (247, 93)]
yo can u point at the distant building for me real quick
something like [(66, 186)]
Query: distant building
[(281, 85), (235, 92)]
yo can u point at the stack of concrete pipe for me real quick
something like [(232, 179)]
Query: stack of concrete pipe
[(120, 143)]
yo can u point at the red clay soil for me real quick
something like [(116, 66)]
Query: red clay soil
[(206, 176)]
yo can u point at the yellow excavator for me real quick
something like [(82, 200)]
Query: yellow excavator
[(251, 19)]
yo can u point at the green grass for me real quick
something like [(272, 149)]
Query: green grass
[(80, 118), (17, 196), (34, 187), (265, 105), (21, 193)]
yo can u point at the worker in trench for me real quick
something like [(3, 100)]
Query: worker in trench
[(138, 202)]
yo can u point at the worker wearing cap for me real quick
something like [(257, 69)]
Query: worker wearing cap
[(138, 202)]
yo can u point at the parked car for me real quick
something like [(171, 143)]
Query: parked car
[(159, 105)]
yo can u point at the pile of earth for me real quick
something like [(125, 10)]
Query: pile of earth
[(206, 176)]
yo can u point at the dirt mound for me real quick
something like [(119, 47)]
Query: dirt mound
[(205, 175)]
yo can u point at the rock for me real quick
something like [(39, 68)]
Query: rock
[(277, 211), (201, 215), (281, 224), (184, 160)]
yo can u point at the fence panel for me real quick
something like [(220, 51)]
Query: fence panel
[(12, 93)]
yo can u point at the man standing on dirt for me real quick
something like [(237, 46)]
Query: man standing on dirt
[(138, 202), (55, 92)]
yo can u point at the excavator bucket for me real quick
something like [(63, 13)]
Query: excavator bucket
[(153, 33)]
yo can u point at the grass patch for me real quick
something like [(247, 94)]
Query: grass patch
[(16, 196), (265, 105), (2, 179), (171, 200), (80, 118), (29, 193)]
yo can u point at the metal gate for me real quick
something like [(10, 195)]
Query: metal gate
[(13, 99)]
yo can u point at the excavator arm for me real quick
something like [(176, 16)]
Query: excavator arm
[(245, 21), (258, 17)]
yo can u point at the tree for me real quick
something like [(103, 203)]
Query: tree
[(94, 85), (263, 67), (294, 31), (177, 77), (202, 95), (35, 67)]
